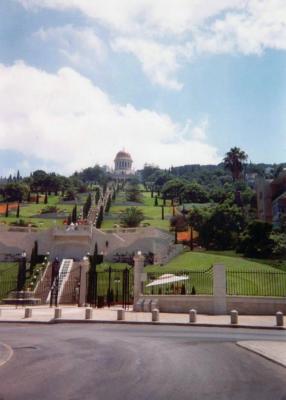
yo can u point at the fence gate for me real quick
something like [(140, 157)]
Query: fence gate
[(109, 287)]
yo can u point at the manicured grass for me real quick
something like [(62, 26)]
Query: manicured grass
[(8, 278), (29, 211), (199, 261), (8, 269), (244, 276)]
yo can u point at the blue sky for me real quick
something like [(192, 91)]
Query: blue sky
[(172, 82)]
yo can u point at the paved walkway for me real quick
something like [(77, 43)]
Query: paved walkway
[(46, 314)]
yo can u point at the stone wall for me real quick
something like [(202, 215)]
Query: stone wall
[(245, 305)]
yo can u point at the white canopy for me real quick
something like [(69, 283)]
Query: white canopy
[(167, 278)]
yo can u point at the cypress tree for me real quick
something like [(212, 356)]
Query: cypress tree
[(74, 214), (33, 261), (108, 204), (34, 257), (87, 206), (156, 201), (97, 195), (36, 249), (18, 211), (99, 218)]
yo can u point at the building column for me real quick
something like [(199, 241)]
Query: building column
[(219, 289), (138, 271), (83, 281)]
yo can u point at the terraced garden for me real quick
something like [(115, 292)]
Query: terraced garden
[(31, 213), (153, 215)]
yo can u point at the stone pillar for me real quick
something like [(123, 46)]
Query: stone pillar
[(155, 315), (219, 289), (83, 282), (28, 313), (279, 318), (192, 316), (121, 315), (138, 271), (234, 317), (58, 313), (88, 313)]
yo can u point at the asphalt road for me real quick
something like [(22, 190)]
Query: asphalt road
[(102, 362)]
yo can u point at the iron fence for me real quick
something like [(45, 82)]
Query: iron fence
[(111, 286), (179, 282), (8, 278), (256, 283)]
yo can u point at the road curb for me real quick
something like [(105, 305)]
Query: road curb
[(6, 353), (269, 358), (203, 325), (115, 322)]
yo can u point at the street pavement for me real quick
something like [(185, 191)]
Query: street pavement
[(107, 361)]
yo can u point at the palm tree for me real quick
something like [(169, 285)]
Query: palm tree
[(131, 217), (234, 161)]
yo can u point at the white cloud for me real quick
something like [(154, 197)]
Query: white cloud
[(194, 27), (160, 16), (159, 62), (81, 46), (63, 118)]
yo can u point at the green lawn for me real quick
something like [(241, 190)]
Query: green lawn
[(244, 276), (203, 260), (29, 211), (8, 278)]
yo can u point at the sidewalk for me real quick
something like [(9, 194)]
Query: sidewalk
[(45, 314), (273, 351)]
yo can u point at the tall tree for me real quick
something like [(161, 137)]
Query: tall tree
[(234, 161), (18, 211), (74, 214), (7, 210)]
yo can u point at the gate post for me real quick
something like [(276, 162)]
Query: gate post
[(138, 270), (219, 289), (83, 282)]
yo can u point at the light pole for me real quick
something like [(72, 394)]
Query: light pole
[(116, 281)]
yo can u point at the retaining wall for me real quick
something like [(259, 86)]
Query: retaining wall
[(245, 305)]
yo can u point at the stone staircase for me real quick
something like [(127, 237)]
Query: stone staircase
[(44, 285), (68, 294)]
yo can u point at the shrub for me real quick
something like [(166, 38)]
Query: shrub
[(49, 209)]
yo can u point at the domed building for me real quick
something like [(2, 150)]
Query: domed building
[(123, 164)]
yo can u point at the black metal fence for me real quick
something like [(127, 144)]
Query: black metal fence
[(183, 282), (8, 278), (111, 286), (256, 283)]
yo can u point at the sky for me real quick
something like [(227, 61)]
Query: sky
[(173, 82)]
